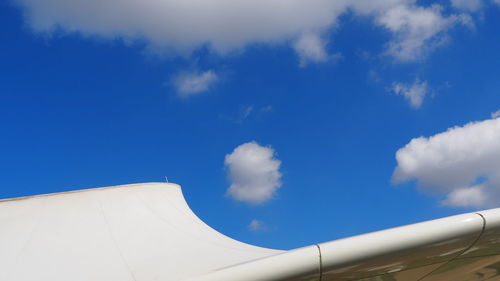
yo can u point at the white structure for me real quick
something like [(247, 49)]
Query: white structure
[(146, 232)]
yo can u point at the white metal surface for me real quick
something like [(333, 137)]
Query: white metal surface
[(147, 232), (406, 253), (424, 245)]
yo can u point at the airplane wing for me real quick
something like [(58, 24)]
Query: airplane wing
[(147, 232)]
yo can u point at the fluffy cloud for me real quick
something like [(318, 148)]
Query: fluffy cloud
[(414, 93), (466, 197), (193, 83), (463, 163), (179, 26), (311, 48), (254, 173)]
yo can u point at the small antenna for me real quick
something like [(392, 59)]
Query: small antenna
[(166, 179)]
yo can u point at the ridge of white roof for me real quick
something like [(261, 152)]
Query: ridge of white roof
[(88, 190)]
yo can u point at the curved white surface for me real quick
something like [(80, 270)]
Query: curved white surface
[(146, 232), (139, 232), (407, 253)]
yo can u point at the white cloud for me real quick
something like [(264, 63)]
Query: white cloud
[(496, 2), (257, 225), (495, 114), (468, 5), (193, 83), (466, 197), (417, 30), (311, 48), (414, 93), (180, 26), (463, 163), (254, 173)]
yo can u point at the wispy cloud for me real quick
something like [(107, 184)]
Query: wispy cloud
[(467, 5), (495, 114), (254, 173), (193, 83), (267, 108), (245, 112), (463, 163), (417, 30), (249, 111), (414, 93), (257, 225)]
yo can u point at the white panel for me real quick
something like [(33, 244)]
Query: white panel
[(140, 232), (18, 220)]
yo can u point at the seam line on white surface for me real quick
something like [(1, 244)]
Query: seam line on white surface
[(462, 252), (320, 263), (28, 239), (114, 241)]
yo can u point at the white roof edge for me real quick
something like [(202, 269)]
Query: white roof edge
[(89, 189)]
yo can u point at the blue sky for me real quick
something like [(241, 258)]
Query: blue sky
[(319, 97)]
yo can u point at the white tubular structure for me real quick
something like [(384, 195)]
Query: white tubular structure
[(146, 232)]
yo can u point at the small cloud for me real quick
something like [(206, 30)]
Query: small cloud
[(311, 48), (417, 30), (495, 114), (267, 108), (190, 84), (257, 225), (254, 173), (414, 93), (247, 111)]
